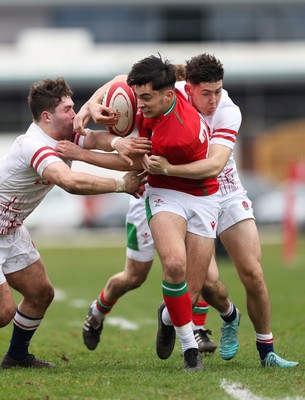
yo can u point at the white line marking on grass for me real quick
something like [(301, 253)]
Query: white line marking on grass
[(239, 392), (79, 303), (122, 323), (60, 295)]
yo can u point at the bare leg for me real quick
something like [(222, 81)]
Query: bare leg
[(33, 283), (134, 274), (213, 290), (242, 244), (8, 307)]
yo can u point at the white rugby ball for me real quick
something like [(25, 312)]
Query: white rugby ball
[(121, 99)]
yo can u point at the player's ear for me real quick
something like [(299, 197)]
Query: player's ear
[(169, 95), (187, 89), (45, 116)]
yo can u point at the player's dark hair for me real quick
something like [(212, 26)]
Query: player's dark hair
[(161, 74), (45, 95), (204, 68)]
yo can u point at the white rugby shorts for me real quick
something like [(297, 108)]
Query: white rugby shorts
[(140, 244), (235, 207), (200, 212), (17, 252)]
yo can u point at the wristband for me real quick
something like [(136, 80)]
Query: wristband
[(120, 185), (113, 141)]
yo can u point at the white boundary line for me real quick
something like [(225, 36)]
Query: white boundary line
[(239, 392)]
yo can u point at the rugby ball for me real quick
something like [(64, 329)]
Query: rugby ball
[(120, 98)]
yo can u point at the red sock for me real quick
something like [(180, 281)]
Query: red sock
[(102, 305), (178, 302), (200, 311)]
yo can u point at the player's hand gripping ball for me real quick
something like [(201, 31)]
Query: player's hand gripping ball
[(122, 101)]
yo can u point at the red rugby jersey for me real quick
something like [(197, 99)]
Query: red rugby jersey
[(182, 136)]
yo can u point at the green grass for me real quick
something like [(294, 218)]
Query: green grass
[(125, 365)]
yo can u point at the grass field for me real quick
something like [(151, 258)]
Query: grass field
[(125, 365)]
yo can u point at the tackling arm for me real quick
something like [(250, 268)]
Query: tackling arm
[(200, 169), (82, 183)]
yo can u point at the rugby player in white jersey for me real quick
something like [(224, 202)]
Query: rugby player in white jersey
[(28, 171)]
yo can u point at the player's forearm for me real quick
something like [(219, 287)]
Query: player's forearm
[(209, 167), (109, 161), (82, 183), (200, 169), (101, 140)]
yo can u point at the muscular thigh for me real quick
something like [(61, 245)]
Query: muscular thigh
[(242, 243), (199, 252), (30, 280), (213, 273), (169, 231), (137, 269)]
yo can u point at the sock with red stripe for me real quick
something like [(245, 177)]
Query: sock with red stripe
[(178, 302), (24, 329), (102, 306), (230, 314), (200, 311), (179, 305), (264, 344)]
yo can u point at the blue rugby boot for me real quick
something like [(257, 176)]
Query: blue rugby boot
[(273, 360), (228, 345)]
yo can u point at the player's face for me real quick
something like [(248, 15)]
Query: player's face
[(153, 103), (62, 118), (205, 96)]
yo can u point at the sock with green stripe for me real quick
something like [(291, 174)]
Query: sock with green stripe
[(103, 306), (200, 311), (178, 302)]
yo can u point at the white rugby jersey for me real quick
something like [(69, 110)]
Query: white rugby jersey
[(22, 186), (224, 124)]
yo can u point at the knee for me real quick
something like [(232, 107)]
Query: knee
[(135, 281), (212, 290), (209, 286), (253, 279), (174, 270), (44, 296)]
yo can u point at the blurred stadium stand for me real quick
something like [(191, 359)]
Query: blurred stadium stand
[(261, 44)]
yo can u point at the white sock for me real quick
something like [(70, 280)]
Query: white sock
[(260, 337), (229, 311), (197, 327), (186, 337), (166, 319), (96, 312)]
